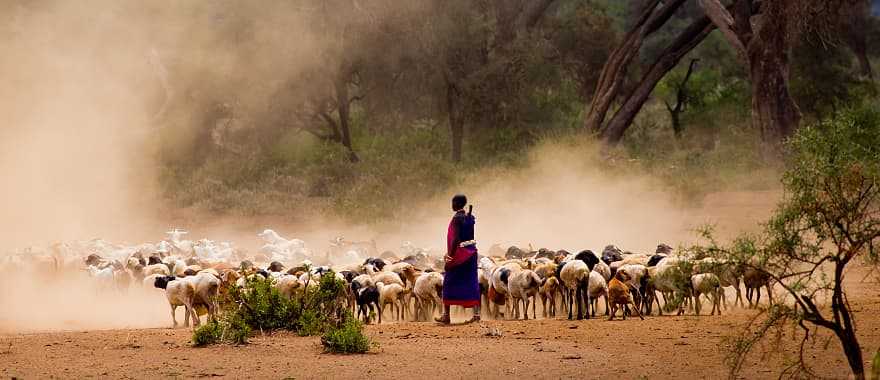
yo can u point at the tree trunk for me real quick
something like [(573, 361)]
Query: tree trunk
[(845, 329), (774, 111), (456, 122), (856, 37), (692, 36), (853, 352), (342, 107), (614, 70)]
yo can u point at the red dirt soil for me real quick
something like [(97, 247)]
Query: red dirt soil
[(658, 347)]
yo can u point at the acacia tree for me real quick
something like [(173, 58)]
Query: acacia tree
[(761, 32), (829, 218)]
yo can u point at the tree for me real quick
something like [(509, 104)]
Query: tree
[(473, 45), (763, 45), (829, 218), (681, 100)]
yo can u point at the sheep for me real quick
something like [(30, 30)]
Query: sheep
[(522, 286), (574, 275), (669, 278), (179, 293), (366, 298), (604, 270), (428, 289), (635, 258), (160, 269), (638, 276), (546, 270), (206, 289), (393, 294), (499, 284), (191, 270), (122, 279), (548, 292), (728, 274), (485, 268), (103, 277), (275, 266), (619, 295), (709, 285), (211, 271), (287, 285), (597, 287), (384, 277), (611, 254)]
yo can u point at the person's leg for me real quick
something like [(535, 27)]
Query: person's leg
[(476, 317), (445, 319)]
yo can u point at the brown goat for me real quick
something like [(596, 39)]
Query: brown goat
[(619, 295)]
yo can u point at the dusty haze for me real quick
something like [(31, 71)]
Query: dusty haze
[(84, 89)]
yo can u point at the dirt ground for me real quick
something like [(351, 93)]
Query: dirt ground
[(658, 347)]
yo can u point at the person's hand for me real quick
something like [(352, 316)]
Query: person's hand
[(448, 258)]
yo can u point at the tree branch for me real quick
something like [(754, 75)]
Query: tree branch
[(724, 21)]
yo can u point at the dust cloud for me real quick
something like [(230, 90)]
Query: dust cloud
[(40, 301), (565, 198), (87, 89)]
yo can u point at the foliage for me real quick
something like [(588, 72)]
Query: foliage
[(255, 149), (259, 306), (830, 216), (346, 337), (207, 334), (824, 80), (230, 330)]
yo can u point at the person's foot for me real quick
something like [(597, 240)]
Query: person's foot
[(443, 320), (473, 319)]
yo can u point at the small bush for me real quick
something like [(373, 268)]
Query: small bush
[(347, 338), (230, 330), (262, 307), (209, 333), (310, 323)]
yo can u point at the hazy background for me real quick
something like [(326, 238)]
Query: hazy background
[(91, 91)]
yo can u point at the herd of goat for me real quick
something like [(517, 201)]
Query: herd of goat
[(410, 284)]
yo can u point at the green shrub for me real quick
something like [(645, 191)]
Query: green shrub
[(263, 308), (237, 332), (310, 323), (346, 338), (209, 333), (230, 330)]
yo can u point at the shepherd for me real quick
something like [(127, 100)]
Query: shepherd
[(461, 286)]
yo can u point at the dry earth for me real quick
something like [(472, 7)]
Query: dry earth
[(658, 347)]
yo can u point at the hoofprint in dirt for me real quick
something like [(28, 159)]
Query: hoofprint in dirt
[(659, 347)]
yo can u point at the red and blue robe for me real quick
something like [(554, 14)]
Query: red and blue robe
[(461, 286)]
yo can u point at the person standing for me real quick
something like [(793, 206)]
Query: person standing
[(461, 286)]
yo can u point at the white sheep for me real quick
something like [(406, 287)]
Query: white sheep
[(574, 276), (206, 289), (522, 286), (383, 277), (428, 290), (728, 273), (104, 278), (179, 293), (160, 269), (604, 270), (666, 278), (597, 288), (394, 295)]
